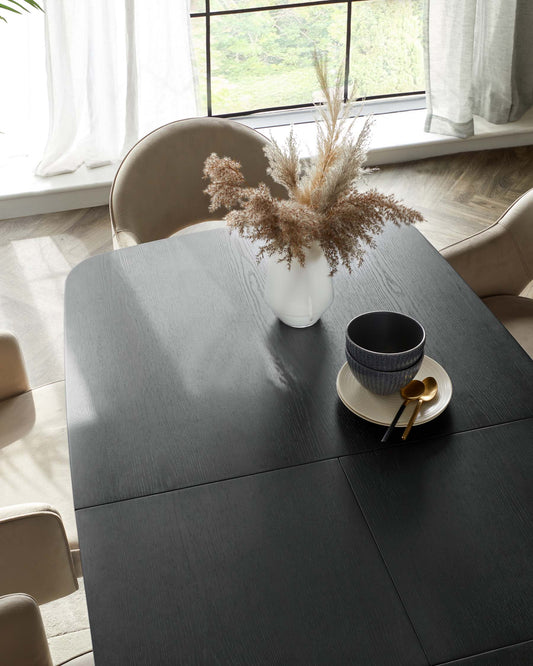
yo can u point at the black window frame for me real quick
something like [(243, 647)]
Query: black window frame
[(207, 14)]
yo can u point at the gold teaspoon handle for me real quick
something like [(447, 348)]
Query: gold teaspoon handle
[(412, 419)]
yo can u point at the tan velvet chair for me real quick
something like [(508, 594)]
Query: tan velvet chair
[(497, 263), (159, 187), (34, 553), (34, 459), (35, 567), (22, 635)]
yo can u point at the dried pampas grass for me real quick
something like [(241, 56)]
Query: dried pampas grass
[(324, 204)]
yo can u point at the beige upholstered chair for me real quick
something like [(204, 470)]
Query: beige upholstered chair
[(13, 377), (498, 264), (22, 635), (159, 187), (35, 567), (34, 460), (34, 554)]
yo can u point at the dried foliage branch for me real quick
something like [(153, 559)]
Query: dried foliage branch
[(324, 204), (353, 221), (284, 163), (225, 188), (339, 153)]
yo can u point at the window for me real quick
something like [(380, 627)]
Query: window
[(256, 55)]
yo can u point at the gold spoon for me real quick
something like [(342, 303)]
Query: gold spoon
[(411, 391), (430, 391)]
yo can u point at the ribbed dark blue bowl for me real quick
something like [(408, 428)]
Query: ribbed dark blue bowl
[(386, 341), (382, 382)]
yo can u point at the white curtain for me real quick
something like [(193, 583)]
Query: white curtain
[(479, 61), (116, 70), (23, 98)]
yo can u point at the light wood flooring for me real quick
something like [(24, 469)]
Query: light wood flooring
[(458, 195), (36, 255)]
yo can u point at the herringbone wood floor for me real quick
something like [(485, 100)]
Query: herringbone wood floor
[(458, 195)]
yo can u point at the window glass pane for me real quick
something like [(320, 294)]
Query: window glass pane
[(386, 47), (199, 57), (197, 6), (264, 59)]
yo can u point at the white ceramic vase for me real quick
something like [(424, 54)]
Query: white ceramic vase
[(299, 295)]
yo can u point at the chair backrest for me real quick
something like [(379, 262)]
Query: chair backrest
[(13, 377), (34, 554), (159, 187), (22, 636), (499, 259)]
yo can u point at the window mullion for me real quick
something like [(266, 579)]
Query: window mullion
[(208, 56), (348, 46)]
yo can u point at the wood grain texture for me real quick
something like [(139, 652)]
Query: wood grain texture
[(179, 374), (452, 518), (459, 194), (277, 568)]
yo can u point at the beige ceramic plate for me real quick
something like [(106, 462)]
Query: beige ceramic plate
[(381, 409)]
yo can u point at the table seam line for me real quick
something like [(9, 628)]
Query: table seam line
[(422, 440), (384, 563), (301, 464), (210, 483), (483, 427), (479, 654)]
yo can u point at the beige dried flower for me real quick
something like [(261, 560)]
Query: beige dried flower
[(324, 204)]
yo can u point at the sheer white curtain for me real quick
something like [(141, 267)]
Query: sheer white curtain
[(479, 57), (23, 98), (116, 70)]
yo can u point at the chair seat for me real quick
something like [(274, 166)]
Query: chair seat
[(516, 314), (34, 459)]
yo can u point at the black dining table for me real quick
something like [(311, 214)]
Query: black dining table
[(230, 508)]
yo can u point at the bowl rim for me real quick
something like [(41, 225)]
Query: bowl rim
[(386, 354)]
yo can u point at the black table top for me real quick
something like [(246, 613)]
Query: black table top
[(452, 518), (261, 521), (274, 568), (174, 362), (417, 554)]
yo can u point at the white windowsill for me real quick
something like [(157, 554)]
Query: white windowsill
[(396, 137)]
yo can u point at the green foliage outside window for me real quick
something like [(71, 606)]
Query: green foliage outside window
[(264, 59)]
